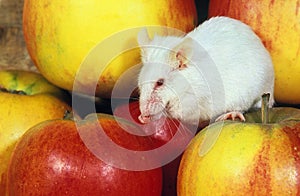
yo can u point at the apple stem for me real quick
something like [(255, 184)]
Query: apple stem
[(68, 115), (19, 92), (265, 108)]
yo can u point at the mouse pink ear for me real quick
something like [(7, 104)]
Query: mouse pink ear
[(184, 52), (143, 37)]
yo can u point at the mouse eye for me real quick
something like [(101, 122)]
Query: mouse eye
[(160, 82), (181, 66)]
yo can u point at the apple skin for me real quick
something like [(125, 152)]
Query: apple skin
[(162, 135), (34, 100), (277, 24), (51, 158), (248, 158), (60, 34)]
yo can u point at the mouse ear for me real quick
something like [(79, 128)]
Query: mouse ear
[(143, 37), (184, 52)]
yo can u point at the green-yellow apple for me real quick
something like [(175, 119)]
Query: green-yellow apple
[(26, 98), (59, 157)]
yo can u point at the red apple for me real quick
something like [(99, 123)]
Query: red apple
[(59, 157), (161, 132), (277, 24)]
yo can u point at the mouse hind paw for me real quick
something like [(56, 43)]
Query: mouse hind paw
[(231, 116)]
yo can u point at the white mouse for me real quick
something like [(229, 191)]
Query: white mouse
[(217, 71)]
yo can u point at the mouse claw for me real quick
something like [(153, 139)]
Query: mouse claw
[(144, 119), (231, 116)]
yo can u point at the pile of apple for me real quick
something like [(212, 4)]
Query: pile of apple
[(26, 99), (49, 147)]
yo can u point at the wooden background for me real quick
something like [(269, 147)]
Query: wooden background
[(13, 53)]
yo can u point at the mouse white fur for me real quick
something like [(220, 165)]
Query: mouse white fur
[(217, 71)]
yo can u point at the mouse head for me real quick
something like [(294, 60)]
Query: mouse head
[(163, 77)]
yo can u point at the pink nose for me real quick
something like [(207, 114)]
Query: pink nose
[(144, 118)]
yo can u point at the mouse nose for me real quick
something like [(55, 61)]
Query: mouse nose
[(144, 118)]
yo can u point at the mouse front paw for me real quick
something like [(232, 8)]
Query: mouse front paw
[(231, 116)]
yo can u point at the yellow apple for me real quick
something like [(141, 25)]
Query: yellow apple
[(247, 158), (26, 99), (60, 34)]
